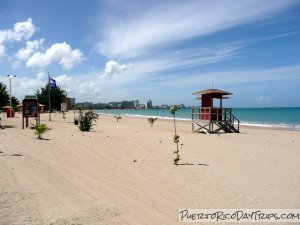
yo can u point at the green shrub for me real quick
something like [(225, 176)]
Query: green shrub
[(40, 129), (151, 120), (86, 120)]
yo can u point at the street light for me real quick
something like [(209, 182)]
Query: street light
[(10, 77)]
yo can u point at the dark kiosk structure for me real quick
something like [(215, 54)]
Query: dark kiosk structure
[(210, 119), (30, 109)]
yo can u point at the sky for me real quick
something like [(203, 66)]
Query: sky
[(163, 50)]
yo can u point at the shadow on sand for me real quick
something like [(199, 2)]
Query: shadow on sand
[(15, 154), (7, 126), (43, 139), (192, 164)]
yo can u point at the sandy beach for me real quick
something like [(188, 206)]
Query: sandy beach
[(123, 173)]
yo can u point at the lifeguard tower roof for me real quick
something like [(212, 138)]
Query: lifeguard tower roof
[(212, 91)]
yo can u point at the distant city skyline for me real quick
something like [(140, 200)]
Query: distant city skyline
[(105, 51), (125, 104)]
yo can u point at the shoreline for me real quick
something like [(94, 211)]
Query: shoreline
[(250, 125)]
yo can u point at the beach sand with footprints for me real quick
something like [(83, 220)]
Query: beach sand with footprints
[(123, 173)]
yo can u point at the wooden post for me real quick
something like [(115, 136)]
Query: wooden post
[(192, 119)]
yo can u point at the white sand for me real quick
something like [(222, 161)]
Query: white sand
[(90, 178)]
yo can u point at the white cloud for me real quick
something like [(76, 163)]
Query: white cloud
[(132, 33), (59, 52), (21, 31), (186, 58), (31, 46), (41, 76), (62, 79), (234, 77), (263, 99), (2, 50), (113, 68)]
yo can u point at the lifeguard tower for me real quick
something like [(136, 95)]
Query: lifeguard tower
[(210, 119)]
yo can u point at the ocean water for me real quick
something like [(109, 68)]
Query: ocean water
[(288, 118)]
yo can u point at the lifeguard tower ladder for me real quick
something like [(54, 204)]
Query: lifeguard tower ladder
[(210, 119)]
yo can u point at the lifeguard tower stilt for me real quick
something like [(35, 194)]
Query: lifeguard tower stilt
[(210, 119)]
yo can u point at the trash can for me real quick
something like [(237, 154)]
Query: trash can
[(10, 113)]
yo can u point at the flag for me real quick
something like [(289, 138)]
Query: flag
[(52, 83)]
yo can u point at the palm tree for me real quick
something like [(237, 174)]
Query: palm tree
[(40, 129)]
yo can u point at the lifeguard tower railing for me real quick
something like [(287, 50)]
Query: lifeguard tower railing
[(212, 120)]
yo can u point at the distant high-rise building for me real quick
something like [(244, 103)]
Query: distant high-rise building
[(114, 105), (72, 102), (135, 104), (149, 104), (127, 104)]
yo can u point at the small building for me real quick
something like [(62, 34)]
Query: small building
[(213, 119)]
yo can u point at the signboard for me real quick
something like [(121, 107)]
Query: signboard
[(30, 108), (63, 107)]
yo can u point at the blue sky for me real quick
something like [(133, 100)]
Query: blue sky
[(111, 50)]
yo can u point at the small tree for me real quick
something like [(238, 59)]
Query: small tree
[(176, 137), (86, 120), (4, 96), (151, 120), (40, 129), (118, 118), (57, 95)]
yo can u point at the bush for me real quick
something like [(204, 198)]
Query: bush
[(151, 120), (40, 129), (86, 120)]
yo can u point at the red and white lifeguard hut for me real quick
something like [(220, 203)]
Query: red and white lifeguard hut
[(210, 119)]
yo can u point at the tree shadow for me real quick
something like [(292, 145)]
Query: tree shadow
[(192, 164), (16, 154), (7, 126), (43, 139)]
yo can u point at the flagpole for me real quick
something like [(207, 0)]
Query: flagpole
[(49, 97)]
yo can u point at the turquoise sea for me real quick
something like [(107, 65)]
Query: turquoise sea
[(288, 118)]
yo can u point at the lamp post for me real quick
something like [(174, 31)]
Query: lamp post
[(10, 77)]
